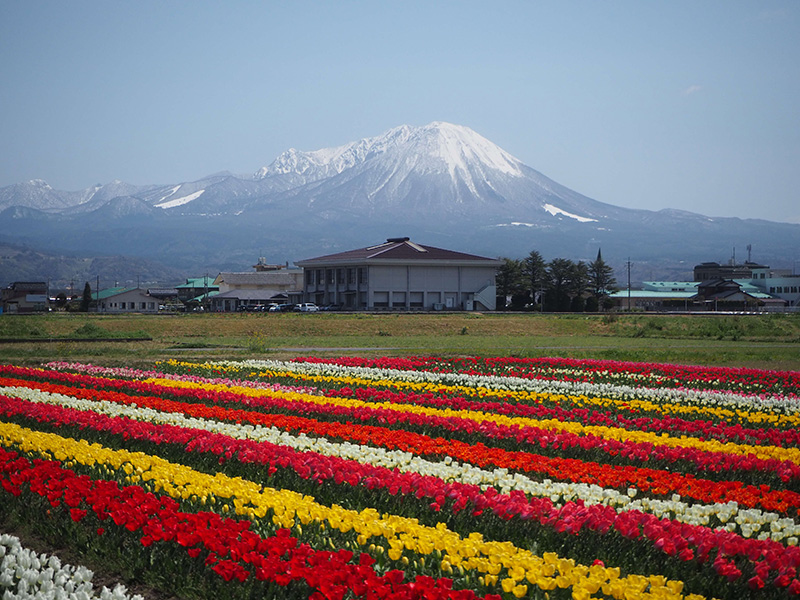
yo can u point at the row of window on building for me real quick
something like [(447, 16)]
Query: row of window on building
[(351, 276), (129, 305)]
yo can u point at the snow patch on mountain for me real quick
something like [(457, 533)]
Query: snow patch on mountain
[(555, 211), (180, 201), (175, 189), (39, 183)]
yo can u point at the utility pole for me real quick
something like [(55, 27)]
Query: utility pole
[(628, 264)]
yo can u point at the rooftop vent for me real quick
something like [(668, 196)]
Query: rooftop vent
[(397, 240)]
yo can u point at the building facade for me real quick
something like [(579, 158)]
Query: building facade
[(238, 291), (401, 275), (126, 300), (708, 271), (778, 283), (24, 297)]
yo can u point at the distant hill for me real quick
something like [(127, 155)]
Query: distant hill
[(62, 272)]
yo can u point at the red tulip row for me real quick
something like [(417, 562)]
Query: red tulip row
[(700, 428), (231, 550)]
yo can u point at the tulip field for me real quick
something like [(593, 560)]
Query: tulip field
[(404, 478)]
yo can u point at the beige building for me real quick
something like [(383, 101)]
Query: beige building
[(126, 300), (238, 291), (401, 275)]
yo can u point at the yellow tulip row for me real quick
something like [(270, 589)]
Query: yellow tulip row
[(613, 433), (289, 509), (637, 405)]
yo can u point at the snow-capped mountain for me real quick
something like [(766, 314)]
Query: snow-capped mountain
[(435, 148), (37, 194), (440, 168), (442, 184)]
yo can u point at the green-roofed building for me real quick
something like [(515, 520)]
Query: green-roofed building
[(197, 289), (657, 296), (719, 294)]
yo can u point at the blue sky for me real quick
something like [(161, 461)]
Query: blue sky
[(692, 105)]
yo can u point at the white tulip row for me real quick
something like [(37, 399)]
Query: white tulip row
[(777, 403), (26, 575), (746, 522)]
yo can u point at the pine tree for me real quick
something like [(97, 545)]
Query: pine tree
[(601, 279), (86, 300), (534, 269), (510, 282)]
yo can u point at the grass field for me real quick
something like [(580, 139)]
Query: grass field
[(760, 341)]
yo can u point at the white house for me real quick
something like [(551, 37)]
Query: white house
[(126, 300)]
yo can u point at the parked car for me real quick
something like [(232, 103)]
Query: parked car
[(281, 308), (306, 307), (329, 307)]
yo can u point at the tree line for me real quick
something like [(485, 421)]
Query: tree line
[(560, 285)]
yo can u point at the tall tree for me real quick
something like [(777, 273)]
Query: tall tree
[(534, 270), (559, 275), (86, 300), (578, 285), (601, 279), (510, 282)]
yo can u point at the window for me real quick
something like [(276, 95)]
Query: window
[(398, 299), (142, 305), (309, 277), (351, 276), (380, 299), (331, 276), (340, 275), (122, 305), (363, 275)]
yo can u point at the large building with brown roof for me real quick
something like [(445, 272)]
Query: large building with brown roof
[(402, 275)]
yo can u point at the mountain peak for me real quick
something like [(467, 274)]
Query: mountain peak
[(459, 147), (39, 183), (453, 146)]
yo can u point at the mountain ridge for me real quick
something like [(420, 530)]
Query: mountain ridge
[(441, 184)]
